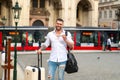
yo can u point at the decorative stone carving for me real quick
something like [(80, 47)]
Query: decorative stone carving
[(39, 11)]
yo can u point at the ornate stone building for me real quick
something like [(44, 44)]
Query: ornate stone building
[(44, 12), (107, 13)]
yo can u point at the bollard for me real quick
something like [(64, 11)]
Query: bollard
[(7, 66)]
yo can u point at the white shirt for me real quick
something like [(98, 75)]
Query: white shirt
[(2, 58), (58, 46), (108, 41)]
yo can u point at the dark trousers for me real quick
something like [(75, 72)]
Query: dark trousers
[(109, 47)]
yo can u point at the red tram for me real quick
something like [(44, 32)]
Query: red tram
[(85, 38)]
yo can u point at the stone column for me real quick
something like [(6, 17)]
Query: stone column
[(73, 12), (13, 22), (46, 3), (25, 12), (65, 11), (95, 14), (90, 18), (69, 12)]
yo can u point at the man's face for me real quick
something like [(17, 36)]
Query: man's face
[(59, 25)]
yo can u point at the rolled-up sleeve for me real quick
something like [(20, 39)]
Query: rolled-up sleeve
[(69, 38), (47, 41)]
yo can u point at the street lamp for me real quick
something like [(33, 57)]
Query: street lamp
[(16, 12), (118, 19), (4, 22)]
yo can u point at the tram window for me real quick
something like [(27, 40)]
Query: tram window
[(39, 36), (30, 39), (113, 36), (36, 35), (24, 36), (95, 38), (78, 39), (14, 37), (87, 37), (18, 38)]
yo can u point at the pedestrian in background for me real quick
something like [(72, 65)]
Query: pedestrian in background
[(109, 43), (3, 60), (23, 44), (104, 43), (59, 42)]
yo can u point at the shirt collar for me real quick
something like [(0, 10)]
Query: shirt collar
[(63, 31)]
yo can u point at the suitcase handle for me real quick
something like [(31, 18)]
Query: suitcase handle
[(39, 56), (39, 71)]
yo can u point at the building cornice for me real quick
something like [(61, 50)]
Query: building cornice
[(110, 3)]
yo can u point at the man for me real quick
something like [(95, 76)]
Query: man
[(3, 60), (3, 56), (109, 43), (58, 57)]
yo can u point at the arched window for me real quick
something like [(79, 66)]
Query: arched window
[(38, 3), (105, 14), (38, 23), (110, 14), (35, 3)]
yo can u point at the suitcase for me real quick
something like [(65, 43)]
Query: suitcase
[(35, 72)]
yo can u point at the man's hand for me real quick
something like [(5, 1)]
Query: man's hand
[(64, 37), (70, 44), (39, 51)]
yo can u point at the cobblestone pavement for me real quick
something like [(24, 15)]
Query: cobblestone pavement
[(92, 65)]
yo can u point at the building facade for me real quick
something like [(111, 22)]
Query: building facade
[(44, 12), (107, 13)]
